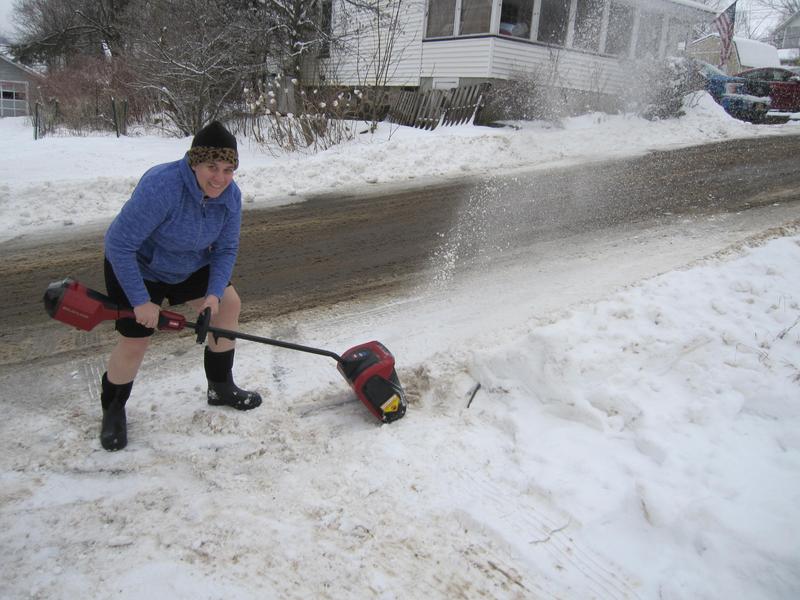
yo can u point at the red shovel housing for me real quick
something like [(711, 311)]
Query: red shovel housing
[(368, 368)]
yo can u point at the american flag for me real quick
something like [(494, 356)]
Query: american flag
[(724, 24)]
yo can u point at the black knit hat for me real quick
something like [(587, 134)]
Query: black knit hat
[(214, 142)]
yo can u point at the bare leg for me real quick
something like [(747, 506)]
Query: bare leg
[(124, 363), (218, 357), (126, 358), (226, 318)]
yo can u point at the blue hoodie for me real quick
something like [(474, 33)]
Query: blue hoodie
[(167, 230)]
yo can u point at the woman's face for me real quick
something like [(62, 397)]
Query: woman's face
[(213, 177)]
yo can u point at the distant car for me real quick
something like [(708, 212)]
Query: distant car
[(741, 98), (784, 85)]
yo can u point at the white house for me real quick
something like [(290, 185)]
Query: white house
[(447, 43)]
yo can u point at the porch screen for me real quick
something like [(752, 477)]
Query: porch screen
[(325, 27), (620, 28), (476, 16), (441, 16), (677, 36), (515, 18), (588, 21), (648, 39), (553, 21)]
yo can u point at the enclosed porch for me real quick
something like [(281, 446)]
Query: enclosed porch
[(579, 43)]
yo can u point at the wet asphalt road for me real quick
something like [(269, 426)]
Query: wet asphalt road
[(334, 248)]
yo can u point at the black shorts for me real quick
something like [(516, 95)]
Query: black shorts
[(191, 288)]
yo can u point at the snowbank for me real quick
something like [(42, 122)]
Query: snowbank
[(59, 183)]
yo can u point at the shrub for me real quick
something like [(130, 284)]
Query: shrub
[(659, 86), (79, 98)]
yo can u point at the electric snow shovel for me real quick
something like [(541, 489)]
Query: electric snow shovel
[(368, 368)]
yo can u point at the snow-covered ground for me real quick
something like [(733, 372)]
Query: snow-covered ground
[(636, 433)]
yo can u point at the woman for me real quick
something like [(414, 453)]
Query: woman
[(176, 238)]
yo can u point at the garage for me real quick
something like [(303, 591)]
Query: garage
[(16, 83)]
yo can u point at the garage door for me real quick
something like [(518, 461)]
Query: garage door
[(13, 98)]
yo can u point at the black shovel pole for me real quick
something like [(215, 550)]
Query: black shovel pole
[(203, 329)]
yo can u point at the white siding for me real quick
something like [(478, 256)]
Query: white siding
[(576, 70), (498, 58), (16, 84), (461, 57), (357, 62)]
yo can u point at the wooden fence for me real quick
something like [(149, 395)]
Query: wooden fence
[(48, 117), (428, 110)]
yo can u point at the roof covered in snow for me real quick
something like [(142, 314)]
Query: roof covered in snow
[(756, 54)]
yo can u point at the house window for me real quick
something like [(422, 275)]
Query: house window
[(791, 37), (326, 27), (649, 37), (515, 18), (553, 21), (12, 94), (620, 28), (441, 14), (476, 16), (677, 36), (588, 21)]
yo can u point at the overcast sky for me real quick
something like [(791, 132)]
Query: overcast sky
[(5, 16)]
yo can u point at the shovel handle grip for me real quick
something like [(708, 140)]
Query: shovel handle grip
[(171, 321), (201, 327), (167, 320)]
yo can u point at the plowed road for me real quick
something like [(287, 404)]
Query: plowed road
[(331, 249)]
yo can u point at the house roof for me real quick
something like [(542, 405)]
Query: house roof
[(28, 70), (783, 24), (756, 54), (696, 5)]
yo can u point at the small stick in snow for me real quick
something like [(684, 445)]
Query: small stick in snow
[(783, 333), (552, 532), (474, 391)]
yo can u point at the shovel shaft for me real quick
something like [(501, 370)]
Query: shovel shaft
[(233, 335)]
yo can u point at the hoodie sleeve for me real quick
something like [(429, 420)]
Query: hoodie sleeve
[(226, 247), (146, 209)]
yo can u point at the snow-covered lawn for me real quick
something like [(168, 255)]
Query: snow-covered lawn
[(640, 441)]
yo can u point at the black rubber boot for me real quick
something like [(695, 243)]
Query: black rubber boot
[(114, 430), (222, 391)]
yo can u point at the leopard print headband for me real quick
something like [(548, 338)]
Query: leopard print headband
[(201, 154)]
